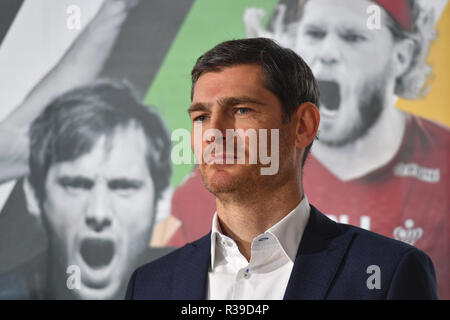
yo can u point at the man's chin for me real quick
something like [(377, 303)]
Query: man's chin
[(228, 180), (99, 281), (101, 284), (220, 183), (334, 138), (219, 189), (336, 135), (111, 291), (219, 179), (340, 141)]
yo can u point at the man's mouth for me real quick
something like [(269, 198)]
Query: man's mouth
[(330, 97), (97, 253), (223, 158)]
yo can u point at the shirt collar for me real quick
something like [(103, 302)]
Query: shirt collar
[(288, 231), (216, 234)]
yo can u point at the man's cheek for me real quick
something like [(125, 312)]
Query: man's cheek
[(63, 216), (306, 50), (197, 142), (135, 212), (62, 226), (134, 224), (308, 54), (66, 205)]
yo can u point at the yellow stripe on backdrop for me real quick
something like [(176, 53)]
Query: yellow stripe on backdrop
[(436, 104)]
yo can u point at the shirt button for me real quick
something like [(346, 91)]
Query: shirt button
[(247, 274), (224, 242)]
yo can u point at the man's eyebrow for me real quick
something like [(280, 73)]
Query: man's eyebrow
[(314, 25), (354, 29), (199, 106), (234, 101), (71, 179), (75, 181), (225, 102), (121, 182)]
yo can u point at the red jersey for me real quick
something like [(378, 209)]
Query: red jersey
[(194, 206), (407, 199)]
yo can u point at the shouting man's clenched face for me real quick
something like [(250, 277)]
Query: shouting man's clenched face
[(352, 63), (98, 210)]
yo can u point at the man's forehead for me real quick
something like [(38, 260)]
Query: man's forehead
[(232, 81), (122, 153), (350, 14), (244, 71)]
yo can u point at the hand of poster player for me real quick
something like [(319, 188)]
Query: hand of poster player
[(120, 5), (80, 65), (253, 20), (253, 23), (114, 11)]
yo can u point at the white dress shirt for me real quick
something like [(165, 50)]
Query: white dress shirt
[(232, 277)]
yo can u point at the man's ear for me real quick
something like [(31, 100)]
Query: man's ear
[(32, 201), (403, 55), (307, 119)]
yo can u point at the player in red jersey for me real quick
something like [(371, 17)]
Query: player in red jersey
[(386, 169), (405, 199), (391, 167)]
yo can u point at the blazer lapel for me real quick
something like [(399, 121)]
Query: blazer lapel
[(191, 270), (320, 253)]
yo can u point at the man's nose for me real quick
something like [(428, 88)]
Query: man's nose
[(221, 123), (98, 214), (329, 53)]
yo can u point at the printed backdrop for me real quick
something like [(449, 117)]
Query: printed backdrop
[(51, 47)]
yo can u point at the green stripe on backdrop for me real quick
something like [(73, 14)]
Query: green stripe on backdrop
[(208, 23)]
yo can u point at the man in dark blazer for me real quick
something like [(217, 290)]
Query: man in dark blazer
[(267, 241)]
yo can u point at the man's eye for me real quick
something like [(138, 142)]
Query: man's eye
[(77, 184), (242, 111), (353, 37), (199, 118), (316, 34), (124, 188)]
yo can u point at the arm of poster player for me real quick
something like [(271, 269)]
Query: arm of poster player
[(81, 64)]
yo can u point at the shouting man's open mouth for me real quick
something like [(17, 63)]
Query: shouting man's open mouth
[(97, 253), (330, 98)]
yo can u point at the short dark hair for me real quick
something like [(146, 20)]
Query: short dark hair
[(71, 124), (285, 74)]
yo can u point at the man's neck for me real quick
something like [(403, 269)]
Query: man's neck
[(368, 153), (244, 219)]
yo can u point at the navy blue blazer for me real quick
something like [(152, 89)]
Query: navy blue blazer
[(334, 261)]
